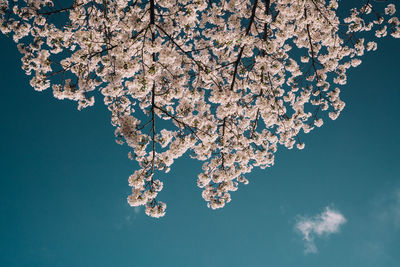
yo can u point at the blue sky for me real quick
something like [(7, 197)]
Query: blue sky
[(64, 187)]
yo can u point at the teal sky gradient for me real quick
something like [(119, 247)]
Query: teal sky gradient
[(63, 186)]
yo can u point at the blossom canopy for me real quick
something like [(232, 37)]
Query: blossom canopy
[(234, 79)]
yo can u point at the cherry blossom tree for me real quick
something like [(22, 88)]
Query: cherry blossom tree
[(226, 81)]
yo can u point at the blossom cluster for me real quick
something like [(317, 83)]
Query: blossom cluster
[(234, 79)]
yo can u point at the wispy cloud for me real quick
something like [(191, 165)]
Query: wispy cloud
[(137, 209), (388, 208), (379, 228), (129, 219), (323, 224)]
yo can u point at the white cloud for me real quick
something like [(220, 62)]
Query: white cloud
[(323, 224)]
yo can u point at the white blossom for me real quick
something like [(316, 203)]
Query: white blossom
[(227, 81), (390, 10)]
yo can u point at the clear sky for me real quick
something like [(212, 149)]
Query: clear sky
[(64, 186)]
